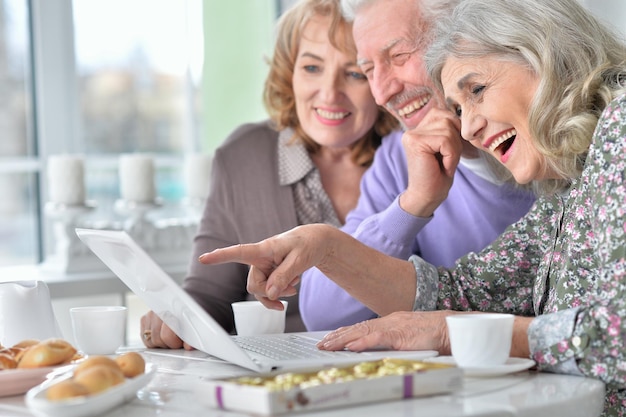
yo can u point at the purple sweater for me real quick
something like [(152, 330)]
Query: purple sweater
[(474, 214)]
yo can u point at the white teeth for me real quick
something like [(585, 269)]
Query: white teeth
[(416, 105), (331, 115), (502, 139)]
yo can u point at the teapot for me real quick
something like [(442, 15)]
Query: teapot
[(26, 312)]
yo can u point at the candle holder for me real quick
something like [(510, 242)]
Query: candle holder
[(70, 254), (193, 207), (137, 223)]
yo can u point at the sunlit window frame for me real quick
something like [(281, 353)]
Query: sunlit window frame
[(57, 126), (55, 111)]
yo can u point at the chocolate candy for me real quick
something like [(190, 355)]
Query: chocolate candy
[(363, 370)]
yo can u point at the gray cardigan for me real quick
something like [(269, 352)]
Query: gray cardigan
[(246, 204)]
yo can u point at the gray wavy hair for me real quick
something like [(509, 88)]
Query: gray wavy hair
[(581, 65)]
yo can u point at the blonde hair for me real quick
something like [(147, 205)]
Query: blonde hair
[(278, 95), (581, 65)]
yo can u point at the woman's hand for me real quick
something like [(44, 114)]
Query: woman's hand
[(413, 330), (156, 334), (402, 330), (277, 262)]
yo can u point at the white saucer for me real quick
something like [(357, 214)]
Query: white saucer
[(512, 365)]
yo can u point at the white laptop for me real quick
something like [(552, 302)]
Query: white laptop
[(261, 353)]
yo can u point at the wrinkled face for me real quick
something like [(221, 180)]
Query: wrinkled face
[(334, 103), (492, 98), (387, 36)]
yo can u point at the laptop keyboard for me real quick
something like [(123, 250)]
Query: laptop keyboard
[(285, 348)]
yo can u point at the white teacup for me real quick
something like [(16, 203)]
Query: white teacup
[(26, 312), (480, 340), (99, 330), (252, 317)]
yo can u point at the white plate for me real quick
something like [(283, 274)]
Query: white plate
[(18, 381), (86, 406), (512, 365)]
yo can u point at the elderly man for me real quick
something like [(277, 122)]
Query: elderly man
[(391, 215)]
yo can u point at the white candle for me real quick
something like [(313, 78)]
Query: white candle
[(66, 179), (137, 178), (197, 173)]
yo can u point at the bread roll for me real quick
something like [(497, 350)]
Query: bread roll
[(17, 353), (7, 361), (132, 364), (94, 361), (17, 350), (26, 343), (49, 352), (97, 374), (66, 389), (98, 378)]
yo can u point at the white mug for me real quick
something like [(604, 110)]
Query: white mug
[(481, 339), (26, 312), (252, 317), (99, 330)]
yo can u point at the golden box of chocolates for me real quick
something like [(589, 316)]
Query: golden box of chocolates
[(383, 380)]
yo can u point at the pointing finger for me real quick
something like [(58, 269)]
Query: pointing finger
[(242, 253)]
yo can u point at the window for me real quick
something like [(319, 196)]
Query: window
[(127, 78), (139, 71), (104, 77), (139, 84), (19, 166)]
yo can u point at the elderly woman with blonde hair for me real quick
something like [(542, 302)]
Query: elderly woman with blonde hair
[(304, 165)]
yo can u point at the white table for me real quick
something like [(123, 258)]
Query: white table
[(171, 394)]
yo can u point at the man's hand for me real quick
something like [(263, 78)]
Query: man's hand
[(433, 150)]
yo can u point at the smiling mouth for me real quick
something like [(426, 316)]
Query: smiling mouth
[(503, 143), (408, 110), (331, 115)]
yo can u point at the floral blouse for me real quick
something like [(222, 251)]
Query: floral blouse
[(565, 263)]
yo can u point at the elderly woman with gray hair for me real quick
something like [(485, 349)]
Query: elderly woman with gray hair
[(542, 87)]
